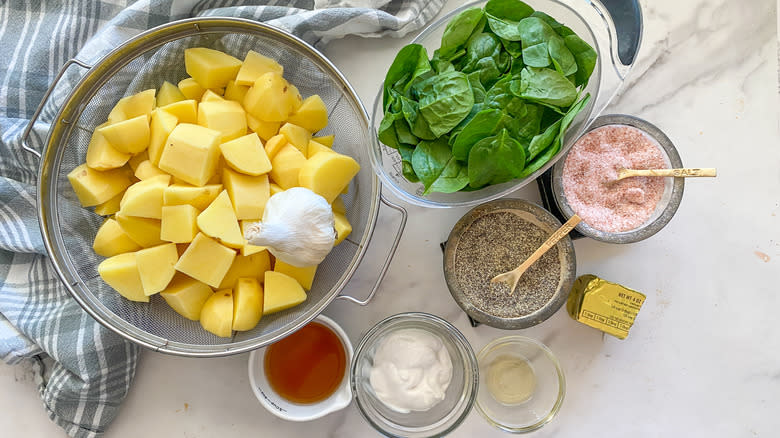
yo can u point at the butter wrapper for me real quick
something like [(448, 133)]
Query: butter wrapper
[(606, 306)]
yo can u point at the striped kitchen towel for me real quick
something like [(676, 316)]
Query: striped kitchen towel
[(93, 367)]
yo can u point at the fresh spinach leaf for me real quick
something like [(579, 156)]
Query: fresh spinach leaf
[(514, 10), (476, 87), (459, 30), (517, 66), (585, 57), (537, 55), (417, 124), (541, 160), (404, 133), (494, 160), (503, 16), (541, 141), (484, 54), (437, 169), (545, 86), (562, 58), (445, 100), (410, 62), (534, 30), (386, 132), (514, 48), (570, 115), (485, 124), (559, 28), (406, 163), (538, 162)]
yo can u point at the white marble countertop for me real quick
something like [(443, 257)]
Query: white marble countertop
[(703, 358)]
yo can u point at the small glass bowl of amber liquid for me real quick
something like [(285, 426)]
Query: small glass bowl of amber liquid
[(304, 376)]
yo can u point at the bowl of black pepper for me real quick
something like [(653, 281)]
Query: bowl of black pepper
[(496, 237)]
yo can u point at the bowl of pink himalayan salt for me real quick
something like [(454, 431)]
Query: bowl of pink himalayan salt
[(626, 211)]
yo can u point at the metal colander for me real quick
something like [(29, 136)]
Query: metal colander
[(145, 62)]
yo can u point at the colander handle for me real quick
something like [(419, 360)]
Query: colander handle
[(390, 254), (34, 118)]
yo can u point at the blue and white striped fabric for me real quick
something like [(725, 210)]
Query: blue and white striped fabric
[(93, 367)]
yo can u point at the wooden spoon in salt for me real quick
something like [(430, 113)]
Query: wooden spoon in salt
[(678, 173), (512, 277)]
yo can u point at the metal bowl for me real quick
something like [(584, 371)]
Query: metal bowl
[(143, 62), (667, 206), (543, 218)]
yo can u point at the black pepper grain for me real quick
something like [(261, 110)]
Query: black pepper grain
[(498, 242)]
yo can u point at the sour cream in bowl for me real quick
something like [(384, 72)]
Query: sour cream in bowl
[(414, 375)]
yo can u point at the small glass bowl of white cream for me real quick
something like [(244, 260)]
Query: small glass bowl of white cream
[(414, 375), (521, 384)]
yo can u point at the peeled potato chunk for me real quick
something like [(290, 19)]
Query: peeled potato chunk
[(129, 136), (286, 166), (247, 304), (304, 276), (179, 223), (316, 147), (247, 266), (326, 140), (109, 207), (186, 296), (246, 155), (210, 68), (198, 197), (191, 153), (342, 225), (190, 88), (274, 145), (186, 111), (206, 260), (216, 316), (312, 114), (296, 136), (94, 187), (111, 240), (146, 170), (264, 130), (254, 66), (269, 98), (143, 231), (281, 292), (102, 156), (121, 273), (133, 106), (156, 267), (169, 93), (327, 174), (235, 92), (145, 198), (219, 221), (248, 194), (160, 128)]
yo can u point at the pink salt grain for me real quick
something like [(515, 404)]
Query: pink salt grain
[(590, 178)]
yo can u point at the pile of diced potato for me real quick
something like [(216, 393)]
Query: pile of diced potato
[(180, 172)]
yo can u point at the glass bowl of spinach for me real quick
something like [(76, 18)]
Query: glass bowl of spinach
[(490, 96)]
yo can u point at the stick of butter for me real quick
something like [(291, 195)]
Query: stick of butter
[(606, 306)]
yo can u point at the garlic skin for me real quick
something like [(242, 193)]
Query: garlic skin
[(297, 227)]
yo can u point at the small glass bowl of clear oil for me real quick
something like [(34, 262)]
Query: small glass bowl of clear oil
[(521, 384)]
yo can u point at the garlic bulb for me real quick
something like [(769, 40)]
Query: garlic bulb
[(297, 227)]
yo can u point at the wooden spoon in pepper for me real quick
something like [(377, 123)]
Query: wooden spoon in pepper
[(512, 277)]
